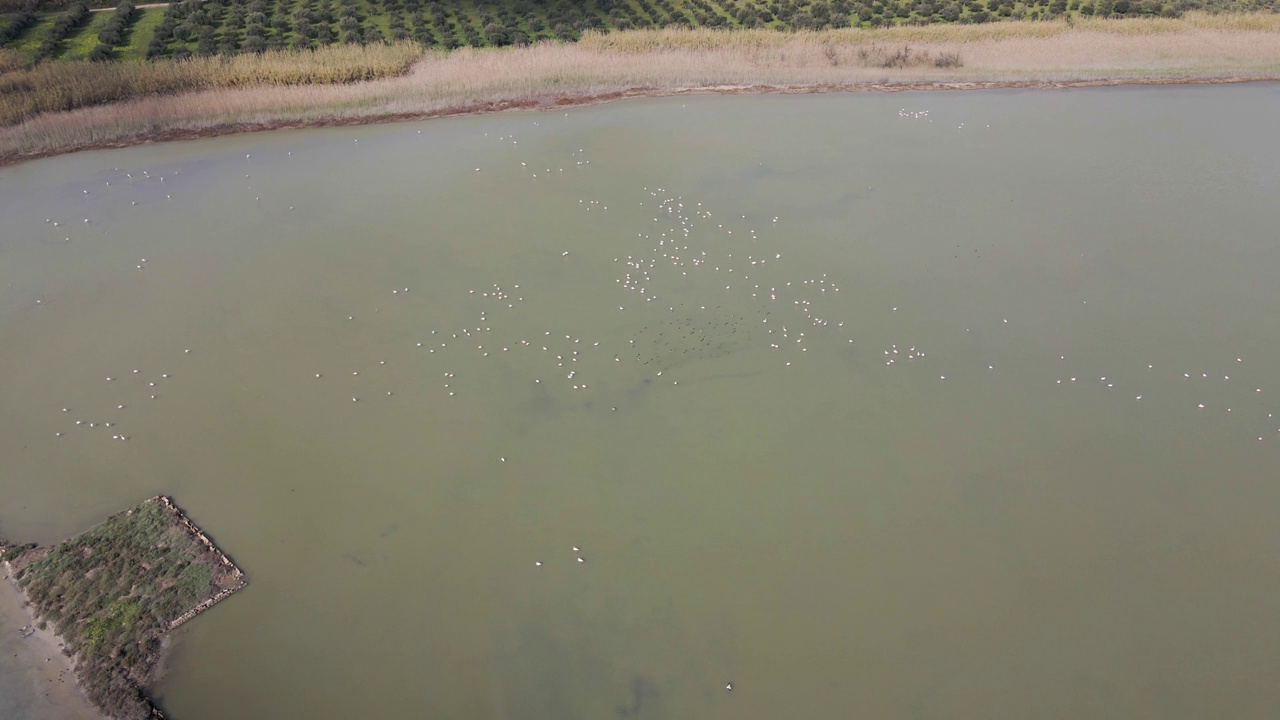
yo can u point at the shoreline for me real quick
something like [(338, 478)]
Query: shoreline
[(56, 691), (1197, 49), (554, 102)]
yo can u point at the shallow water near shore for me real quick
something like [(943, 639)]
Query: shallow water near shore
[(36, 680), (901, 405)]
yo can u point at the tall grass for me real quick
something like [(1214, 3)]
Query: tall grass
[(669, 61), (54, 87), (644, 41), (11, 60)]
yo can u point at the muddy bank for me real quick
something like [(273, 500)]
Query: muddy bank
[(554, 101)]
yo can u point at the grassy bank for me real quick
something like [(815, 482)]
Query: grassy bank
[(603, 66), (112, 594)]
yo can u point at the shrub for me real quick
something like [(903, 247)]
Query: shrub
[(948, 59), (12, 552), (22, 21), (496, 34), (62, 27)]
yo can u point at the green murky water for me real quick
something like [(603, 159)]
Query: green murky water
[(910, 405)]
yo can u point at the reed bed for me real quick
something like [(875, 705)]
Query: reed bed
[(11, 60), (56, 87), (712, 38), (547, 74)]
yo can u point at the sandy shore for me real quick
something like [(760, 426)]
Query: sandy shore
[(36, 679), (601, 68)]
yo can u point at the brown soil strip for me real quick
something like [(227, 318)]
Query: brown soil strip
[(564, 101)]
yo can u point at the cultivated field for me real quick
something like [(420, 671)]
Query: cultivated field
[(59, 29)]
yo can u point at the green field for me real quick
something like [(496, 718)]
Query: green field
[(209, 27), (30, 38), (77, 46), (139, 34)]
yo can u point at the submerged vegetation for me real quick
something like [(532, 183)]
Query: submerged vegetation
[(112, 594)]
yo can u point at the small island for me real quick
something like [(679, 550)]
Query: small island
[(114, 592)]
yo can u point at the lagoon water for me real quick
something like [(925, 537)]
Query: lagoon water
[(877, 405)]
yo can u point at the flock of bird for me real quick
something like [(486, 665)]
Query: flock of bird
[(694, 286), (693, 289)]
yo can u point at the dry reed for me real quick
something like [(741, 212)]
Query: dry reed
[(54, 87), (11, 60), (713, 38), (666, 62)]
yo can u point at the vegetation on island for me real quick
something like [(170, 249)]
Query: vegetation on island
[(115, 591)]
